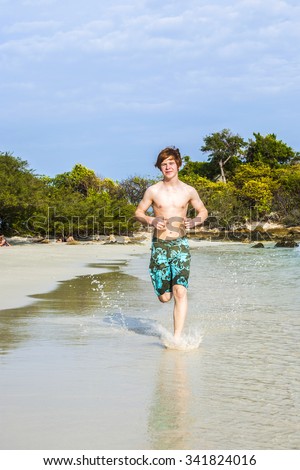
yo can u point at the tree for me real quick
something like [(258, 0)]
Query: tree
[(267, 149), (258, 194), (21, 194), (247, 172), (134, 187), (222, 147), (287, 194), (80, 179), (204, 169)]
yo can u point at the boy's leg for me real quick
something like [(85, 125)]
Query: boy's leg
[(160, 271), (166, 272), (180, 309), (166, 297)]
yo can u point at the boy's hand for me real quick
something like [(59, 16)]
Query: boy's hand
[(189, 223), (159, 223)]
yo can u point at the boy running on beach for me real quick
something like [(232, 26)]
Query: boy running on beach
[(170, 255)]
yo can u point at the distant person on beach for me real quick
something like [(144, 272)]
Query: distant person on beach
[(170, 255), (3, 241)]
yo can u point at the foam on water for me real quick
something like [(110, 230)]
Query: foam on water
[(187, 342), (149, 327)]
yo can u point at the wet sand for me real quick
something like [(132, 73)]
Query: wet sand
[(31, 269)]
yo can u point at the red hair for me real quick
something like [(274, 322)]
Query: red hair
[(167, 153)]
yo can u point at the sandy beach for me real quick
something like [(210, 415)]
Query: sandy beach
[(30, 269)]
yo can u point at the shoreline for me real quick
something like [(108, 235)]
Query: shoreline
[(35, 268), (30, 269)]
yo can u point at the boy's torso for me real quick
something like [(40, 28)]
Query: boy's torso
[(171, 204)]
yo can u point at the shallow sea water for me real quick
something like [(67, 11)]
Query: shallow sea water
[(85, 366)]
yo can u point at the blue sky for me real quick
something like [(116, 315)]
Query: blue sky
[(109, 83)]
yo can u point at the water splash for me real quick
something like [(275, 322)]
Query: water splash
[(187, 342), (142, 326), (149, 327)]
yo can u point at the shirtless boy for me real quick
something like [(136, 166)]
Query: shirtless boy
[(170, 255)]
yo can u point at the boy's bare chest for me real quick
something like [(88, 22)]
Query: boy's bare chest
[(171, 199)]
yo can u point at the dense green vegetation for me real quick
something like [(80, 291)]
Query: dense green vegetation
[(240, 181), (254, 180), (75, 203)]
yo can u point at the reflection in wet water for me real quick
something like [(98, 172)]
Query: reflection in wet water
[(170, 420)]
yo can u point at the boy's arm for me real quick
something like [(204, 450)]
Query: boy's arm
[(201, 210), (140, 213)]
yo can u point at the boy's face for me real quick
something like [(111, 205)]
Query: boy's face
[(169, 167)]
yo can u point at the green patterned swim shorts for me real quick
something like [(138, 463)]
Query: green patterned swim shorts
[(169, 264)]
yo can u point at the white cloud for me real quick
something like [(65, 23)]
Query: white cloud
[(206, 29), (222, 43), (148, 59), (31, 27)]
